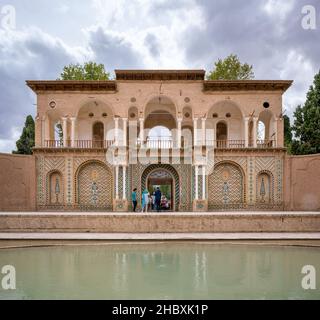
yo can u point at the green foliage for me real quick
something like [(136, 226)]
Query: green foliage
[(287, 132), (88, 71), (231, 69), (59, 131), (307, 122), (26, 141)]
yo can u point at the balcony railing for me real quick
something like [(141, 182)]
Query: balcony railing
[(162, 143), (80, 144)]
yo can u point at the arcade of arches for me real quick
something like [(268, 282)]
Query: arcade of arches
[(206, 145)]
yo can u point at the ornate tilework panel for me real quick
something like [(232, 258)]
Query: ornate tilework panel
[(55, 188), (226, 186), (265, 188), (94, 185)]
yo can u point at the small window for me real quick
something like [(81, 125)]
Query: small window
[(266, 105), (91, 115), (104, 115), (215, 115), (228, 115)]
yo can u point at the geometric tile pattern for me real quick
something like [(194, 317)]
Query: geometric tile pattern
[(265, 187), (94, 186), (226, 186)]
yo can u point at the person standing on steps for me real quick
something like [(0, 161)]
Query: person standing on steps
[(134, 199), (158, 199), (145, 200)]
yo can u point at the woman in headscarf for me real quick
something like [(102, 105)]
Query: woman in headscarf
[(145, 200)]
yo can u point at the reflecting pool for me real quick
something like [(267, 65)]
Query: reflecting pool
[(160, 271)]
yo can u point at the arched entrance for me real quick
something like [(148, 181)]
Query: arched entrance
[(167, 179), (94, 186)]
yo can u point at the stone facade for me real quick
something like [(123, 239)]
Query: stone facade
[(222, 147)]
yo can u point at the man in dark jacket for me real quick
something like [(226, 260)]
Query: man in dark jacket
[(158, 199)]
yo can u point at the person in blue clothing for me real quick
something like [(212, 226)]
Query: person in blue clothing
[(158, 198), (145, 200), (134, 199)]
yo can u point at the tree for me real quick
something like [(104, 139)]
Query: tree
[(87, 71), (287, 132), (307, 122), (26, 141), (231, 69)]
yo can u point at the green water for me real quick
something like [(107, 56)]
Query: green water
[(160, 271)]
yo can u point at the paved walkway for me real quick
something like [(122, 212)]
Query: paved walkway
[(159, 236), (222, 213)]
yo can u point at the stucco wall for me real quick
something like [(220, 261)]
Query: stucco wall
[(302, 182), (17, 182)]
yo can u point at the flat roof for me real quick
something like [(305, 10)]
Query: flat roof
[(246, 85), (159, 75), (141, 75), (71, 85)]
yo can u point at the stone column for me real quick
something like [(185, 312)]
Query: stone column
[(73, 130), (255, 127), (275, 132), (116, 131), (179, 133), (117, 182), (203, 183), (195, 121), (64, 131), (246, 132), (203, 131), (141, 120), (196, 182), (125, 120), (124, 173)]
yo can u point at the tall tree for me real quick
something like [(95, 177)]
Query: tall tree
[(287, 132), (26, 141), (307, 122), (87, 71), (231, 69)]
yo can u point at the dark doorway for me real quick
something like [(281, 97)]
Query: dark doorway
[(162, 179), (98, 135)]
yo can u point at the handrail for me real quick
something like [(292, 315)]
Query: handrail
[(158, 143), (80, 144)]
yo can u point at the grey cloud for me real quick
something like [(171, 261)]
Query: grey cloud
[(29, 56), (113, 50), (243, 27), (151, 42)]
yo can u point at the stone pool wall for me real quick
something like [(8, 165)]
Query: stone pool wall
[(235, 222)]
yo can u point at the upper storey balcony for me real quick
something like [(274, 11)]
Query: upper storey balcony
[(165, 116), (223, 127)]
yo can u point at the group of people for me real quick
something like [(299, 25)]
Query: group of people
[(155, 201)]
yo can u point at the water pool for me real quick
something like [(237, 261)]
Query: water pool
[(160, 271)]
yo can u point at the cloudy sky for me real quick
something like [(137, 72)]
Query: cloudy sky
[(157, 34)]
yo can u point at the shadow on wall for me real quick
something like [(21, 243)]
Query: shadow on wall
[(17, 182), (302, 183)]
